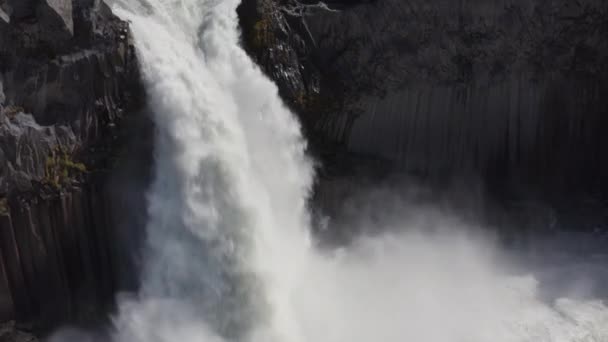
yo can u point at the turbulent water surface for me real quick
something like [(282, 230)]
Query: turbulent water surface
[(228, 254)]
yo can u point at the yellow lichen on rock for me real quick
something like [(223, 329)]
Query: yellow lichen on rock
[(60, 168)]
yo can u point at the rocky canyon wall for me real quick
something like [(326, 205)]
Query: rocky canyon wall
[(70, 103), (506, 92)]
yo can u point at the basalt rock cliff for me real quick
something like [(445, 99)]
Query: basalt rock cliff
[(505, 96), (69, 96)]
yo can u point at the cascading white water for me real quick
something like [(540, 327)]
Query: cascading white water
[(230, 170), (228, 255)]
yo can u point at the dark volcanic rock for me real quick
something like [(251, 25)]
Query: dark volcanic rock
[(280, 48), (26, 150), (76, 89), (507, 92), (69, 89)]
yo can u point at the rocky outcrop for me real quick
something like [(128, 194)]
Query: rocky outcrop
[(64, 86), (505, 91), (70, 96), (282, 46)]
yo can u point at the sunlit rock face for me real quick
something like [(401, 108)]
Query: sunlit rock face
[(506, 92), (69, 99)]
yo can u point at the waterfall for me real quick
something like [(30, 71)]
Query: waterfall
[(228, 255), (229, 201)]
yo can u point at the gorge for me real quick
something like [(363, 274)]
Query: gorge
[(451, 188)]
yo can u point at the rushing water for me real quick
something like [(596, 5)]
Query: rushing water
[(228, 255)]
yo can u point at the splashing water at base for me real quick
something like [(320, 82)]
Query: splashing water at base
[(228, 256)]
